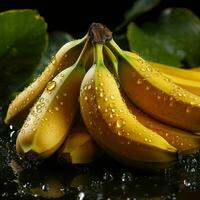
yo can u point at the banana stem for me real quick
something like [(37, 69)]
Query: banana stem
[(83, 55), (114, 47), (99, 54)]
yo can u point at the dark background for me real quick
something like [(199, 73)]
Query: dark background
[(75, 16)]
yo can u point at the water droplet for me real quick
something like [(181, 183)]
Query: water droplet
[(101, 94), (186, 183), (126, 177), (51, 85), (89, 87), (81, 196), (106, 110), (111, 115), (171, 104), (64, 94), (145, 139), (139, 81), (158, 97), (99, 107), (99, 75), (101, 84), (57, 97), (106, 99), (56, 108), (108, 177), (120, 123), (112, 97), (45, 187), (147, 87), (113, 110), (86, 98), (188, 109)]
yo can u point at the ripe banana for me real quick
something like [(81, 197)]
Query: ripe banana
[(111, 124), (186, 79), (156, 94), (174, 71), (184, 141), (79, 147), (48, 123), (21, 105)]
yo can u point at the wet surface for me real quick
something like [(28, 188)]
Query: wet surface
[(103, 179)]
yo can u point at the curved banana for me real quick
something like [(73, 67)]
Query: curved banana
[(78, 148), (156, 94), (186, 79), (111, 124), (184, 141), (20, 106), (48, 123)]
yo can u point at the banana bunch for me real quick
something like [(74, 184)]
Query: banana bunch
[(143, 114)]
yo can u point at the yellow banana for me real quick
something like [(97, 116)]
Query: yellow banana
[(156, 94), (48, 123), (187, 79), (20, 106), (112, 125), (184, 141), (79, 147)]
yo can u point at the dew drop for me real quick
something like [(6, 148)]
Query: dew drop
[(112, 97), (51, 85), (113, 110), (89, 87), (101, 94), (147, 88), (64, 94), (126, 177), (45, 187), (56, 108), (119, 123), (106, 99), (139, 81), (186, 183), (61, 103), (108, 177), (158, 97), (188, 109), (86, 98)]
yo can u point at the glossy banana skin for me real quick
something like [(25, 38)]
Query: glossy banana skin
[(185, 78), (21, 105), (50, 119), (157, 95), (113, 127), (79, 147), (184, 141)]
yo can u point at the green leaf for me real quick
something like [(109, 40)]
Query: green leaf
[(149, 48), (56, 40), (174, 39), (139, 7), (23, 40)]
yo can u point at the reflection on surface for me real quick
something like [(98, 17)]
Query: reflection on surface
[(103, 179)]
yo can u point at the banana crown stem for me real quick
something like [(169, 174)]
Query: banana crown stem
[(82, 59), (115, 48), (99, 54)]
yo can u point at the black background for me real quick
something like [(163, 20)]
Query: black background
[(75, 16)]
